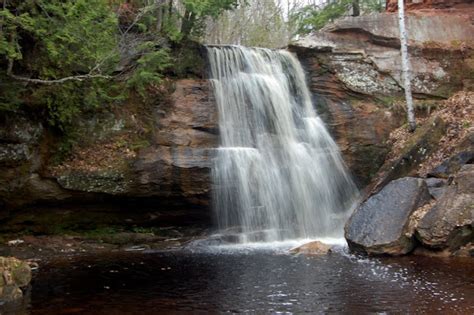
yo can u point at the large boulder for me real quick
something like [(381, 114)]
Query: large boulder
[(449, 224), (381, 224)]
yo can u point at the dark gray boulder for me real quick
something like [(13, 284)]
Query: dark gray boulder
[(436, 186), (381, 224), (449, 224), (452, 165)]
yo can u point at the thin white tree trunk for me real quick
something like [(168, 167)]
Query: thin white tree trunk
[(406, 66)]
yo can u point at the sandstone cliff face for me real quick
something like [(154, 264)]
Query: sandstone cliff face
[(353, 68), (392, 5), (173, 166)]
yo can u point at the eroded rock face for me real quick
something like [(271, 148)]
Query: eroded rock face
[(449, 224), (381, 224), (392, 5), (359, 124), (14, 275), (177, 162), (19, 155), (354, 74)]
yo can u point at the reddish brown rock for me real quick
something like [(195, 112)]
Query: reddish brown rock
[(312, 248), (353, 68), (175, 165), (392, 5)]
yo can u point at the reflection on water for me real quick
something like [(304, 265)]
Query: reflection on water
[(251, 280)]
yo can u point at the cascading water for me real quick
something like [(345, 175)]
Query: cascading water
[(278, 173)]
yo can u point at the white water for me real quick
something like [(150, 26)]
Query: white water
[(278, 174)]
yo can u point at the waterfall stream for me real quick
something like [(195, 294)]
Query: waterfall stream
[(278, 174)]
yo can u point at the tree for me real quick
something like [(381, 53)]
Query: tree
[(253, 23), (315, 16), (197, 11), (406, 66), (72, 38), (355, 8)]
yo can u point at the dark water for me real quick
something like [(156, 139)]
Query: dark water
[(255, 281)]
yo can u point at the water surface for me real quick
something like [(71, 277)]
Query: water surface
[(261, 280)]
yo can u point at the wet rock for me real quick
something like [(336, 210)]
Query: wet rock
[(449, 224), (312, 248), (381, 224), (452, 165), (14, 275)]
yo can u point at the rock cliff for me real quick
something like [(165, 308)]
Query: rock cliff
[(354, 73)]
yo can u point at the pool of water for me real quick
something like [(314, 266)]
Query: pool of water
[(249, 280)]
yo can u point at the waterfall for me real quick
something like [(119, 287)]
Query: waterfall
[(278, 174)]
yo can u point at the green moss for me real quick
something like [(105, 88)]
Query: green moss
[(139, 144), (388, 101)]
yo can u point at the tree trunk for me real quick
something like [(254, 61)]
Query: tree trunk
[(189, 19), (159, 15), (406, 66), (355, 8)]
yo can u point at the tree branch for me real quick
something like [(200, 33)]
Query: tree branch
[(81, 77), (90, 75)]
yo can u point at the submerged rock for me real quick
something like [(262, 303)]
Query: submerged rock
[(14, 275), (312, 248), (449, 224), (381, 224)]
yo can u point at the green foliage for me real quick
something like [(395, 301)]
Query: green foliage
[(212, 8), (10, 93), (150, 67), (311, 18), (69, 36), (50, 40), (197, 11)]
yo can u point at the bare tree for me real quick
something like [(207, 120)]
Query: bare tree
[(406, 66)]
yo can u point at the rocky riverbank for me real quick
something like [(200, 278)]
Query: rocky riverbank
[(433, 213)]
